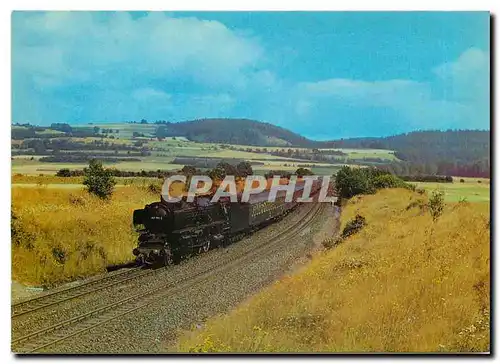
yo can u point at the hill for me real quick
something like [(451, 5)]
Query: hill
[(451, 152), (404, 283), (464, 153), (235, 131)]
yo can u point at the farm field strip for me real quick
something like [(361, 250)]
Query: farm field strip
[(127, 305)]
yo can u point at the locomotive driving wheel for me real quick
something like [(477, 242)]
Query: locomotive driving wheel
[(167, 257), (205, 247)]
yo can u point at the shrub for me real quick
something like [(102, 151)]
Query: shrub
[(330, 242), (427, 178), (301, 172), (388, 181), (350, 182), (99, 181), (436, 204), (462, 180), (64, 172), (354, 226), (154, 188), (244, 169)]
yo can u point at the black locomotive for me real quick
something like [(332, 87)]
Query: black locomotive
[(170, 231)]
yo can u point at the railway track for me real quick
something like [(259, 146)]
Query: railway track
[(70, 293), (63, 295), (66, 329)]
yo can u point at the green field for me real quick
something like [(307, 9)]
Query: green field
[(384, 154), (35, 167), (126, 130), (470, 190), (368, 153), (163, 153)]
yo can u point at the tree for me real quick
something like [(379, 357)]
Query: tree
[(188, 170), (217, 174), (99, 181), (222, 170), (244, 169), (61, 127), (301, 172)]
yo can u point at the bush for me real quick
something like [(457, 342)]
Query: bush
[(462, 180), (64, 172), (350, 181), (330, 242), (99, 181), (388, 181), (282, 174), (436, 204), (428, 178), (244, 169), (353, 226), (301, 172), (154, 188)]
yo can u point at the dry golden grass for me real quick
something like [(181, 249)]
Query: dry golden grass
[(45, 179), (19, 178), (60, 234), (402, 284)]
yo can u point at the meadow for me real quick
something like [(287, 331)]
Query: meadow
[(62, 234), (404, 283), (472, 189), (164, 151)]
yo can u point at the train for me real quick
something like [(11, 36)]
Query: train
[(168, 231)]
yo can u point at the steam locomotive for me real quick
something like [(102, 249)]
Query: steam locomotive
[(171, 231)]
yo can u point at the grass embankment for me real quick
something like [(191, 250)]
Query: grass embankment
[(402, 284), (59, 235)]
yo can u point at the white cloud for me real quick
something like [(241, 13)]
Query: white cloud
[(74, 47), (73, 65), (147, 94), (378, 93), (467, 78), (458, 97)]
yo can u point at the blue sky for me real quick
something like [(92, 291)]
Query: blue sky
[(322, 74)]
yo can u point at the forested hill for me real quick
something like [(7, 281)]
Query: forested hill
[(453, 152), (234, 131)]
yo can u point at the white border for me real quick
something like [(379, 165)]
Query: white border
[(267, 5), (350, 5)]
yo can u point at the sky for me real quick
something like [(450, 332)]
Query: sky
[(324, 75)]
